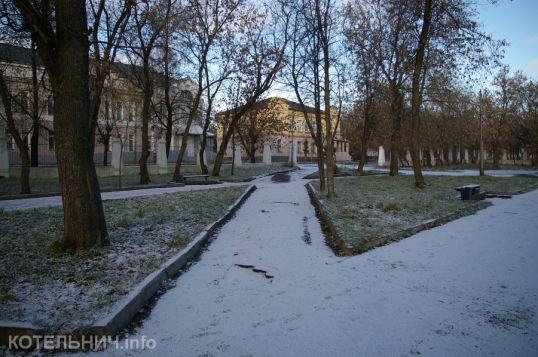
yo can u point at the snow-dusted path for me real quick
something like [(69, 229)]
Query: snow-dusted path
[(39, 202), (468, 288)]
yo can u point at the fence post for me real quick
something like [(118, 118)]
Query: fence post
[(237, 156), (198, 162), (381, 157), (267, 153), (4, 158), (293, 154), (116, 161), (162, 159)]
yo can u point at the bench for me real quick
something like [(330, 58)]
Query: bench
[(184, 178), (468, 192)]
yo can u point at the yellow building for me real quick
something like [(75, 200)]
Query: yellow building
[(294, 129)]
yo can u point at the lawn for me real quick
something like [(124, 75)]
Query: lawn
[(60, 291), (369, 207), (11, 186)]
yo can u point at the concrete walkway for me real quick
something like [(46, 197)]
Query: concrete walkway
[(466, 288)]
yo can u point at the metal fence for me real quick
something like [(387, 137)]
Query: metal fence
[(47, 156)]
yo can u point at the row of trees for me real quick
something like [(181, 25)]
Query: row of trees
[(78, 43), (371, 59), (451, 122), (406, 54)]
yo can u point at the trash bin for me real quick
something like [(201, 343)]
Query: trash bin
[(178, 178), (466, 193)]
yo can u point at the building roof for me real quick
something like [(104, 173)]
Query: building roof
[(195, 129), (294, 106), (22, 55), (17, 54)]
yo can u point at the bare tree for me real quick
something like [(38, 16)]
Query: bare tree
[(261, 45), (449, 32), (362, 39), (415, 91), (109, 21), (19, 136), (148, 21), (304, 61), (207, 23), (259, 124), (62, 40)]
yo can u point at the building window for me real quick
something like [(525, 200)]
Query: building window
[(119, 111), (159, 109), (21, 103), (51, 142), (50, 105), (299, 125), (279, 145), (10, 143), (131, 111), (345, 147), (107, 110), (131, 143)]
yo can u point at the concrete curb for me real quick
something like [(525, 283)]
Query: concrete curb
[(128, 307), (332, 238), (125, 309), (15, 328), (340, 247)]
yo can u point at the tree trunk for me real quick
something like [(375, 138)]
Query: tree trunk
[(331, 165), (496, 156), (396, 111), (192, 115), (25, 172), (167, 101), (319, 126), (84, 220), (105, 153), (220, 153), (168, 136), (182, 148), (252, 153), (34, 140), (146, 113), (415, 100), (97, 84), (22, 145), (34, 146), (365, 138), (203, 144)]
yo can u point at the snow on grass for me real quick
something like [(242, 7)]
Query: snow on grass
[(61, 292), (369, 207)]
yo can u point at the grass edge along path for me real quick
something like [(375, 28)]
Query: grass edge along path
[(335, 215)]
